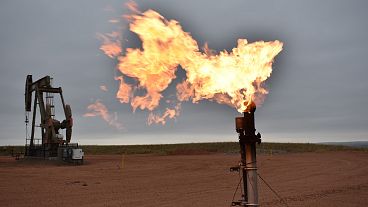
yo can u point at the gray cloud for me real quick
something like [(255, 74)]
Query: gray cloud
[(318, 90)]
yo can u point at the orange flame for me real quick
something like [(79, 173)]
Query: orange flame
[(169, 113), (234, 78), (99, 109), (125, 91), (111, 44)]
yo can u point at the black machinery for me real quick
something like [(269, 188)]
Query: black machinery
[(248, 139), (52, 142)]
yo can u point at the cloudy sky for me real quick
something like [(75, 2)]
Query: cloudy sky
[(318, 89)]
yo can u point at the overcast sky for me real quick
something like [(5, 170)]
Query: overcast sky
[(318, 89)]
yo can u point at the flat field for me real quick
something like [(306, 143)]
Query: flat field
[(328, 178)]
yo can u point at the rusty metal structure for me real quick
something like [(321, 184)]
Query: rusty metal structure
[(52, 142), (245, 127)]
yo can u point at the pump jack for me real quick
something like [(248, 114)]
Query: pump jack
[(52, 142)]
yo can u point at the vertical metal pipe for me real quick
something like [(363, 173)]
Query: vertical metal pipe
[(250, 156), (243, 171), (251, 169), (245, 127)]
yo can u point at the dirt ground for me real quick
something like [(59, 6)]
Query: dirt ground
[(305, 179)]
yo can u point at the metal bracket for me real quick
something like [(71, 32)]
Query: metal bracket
[(234, 169)]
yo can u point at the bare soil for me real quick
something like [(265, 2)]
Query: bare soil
[(304, 179)]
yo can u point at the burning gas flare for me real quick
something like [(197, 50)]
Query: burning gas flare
[(231, 77), (111, 44), (99, 109)]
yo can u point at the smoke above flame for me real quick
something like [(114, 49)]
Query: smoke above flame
[(234, 78), (99, 109)]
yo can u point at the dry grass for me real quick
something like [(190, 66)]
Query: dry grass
[(196, 148)]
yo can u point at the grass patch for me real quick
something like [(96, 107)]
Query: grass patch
[(196, 148)]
